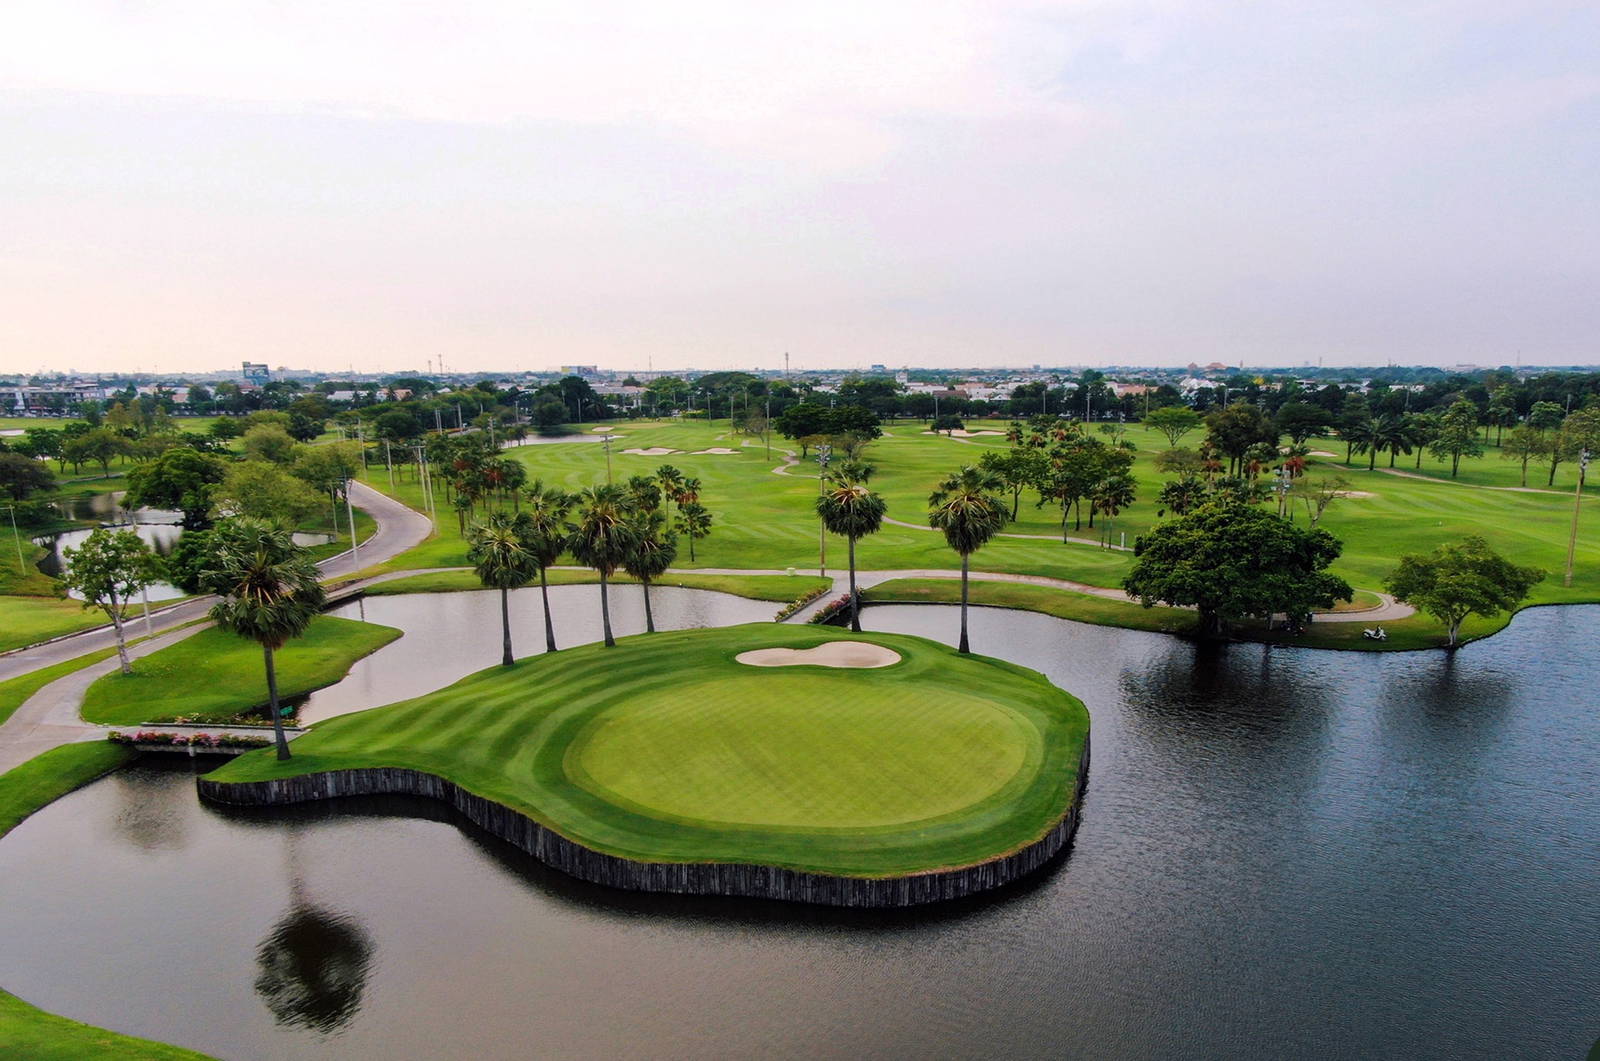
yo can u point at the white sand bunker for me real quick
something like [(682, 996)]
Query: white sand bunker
[(601, 430), (1357, 493), (1322, 453), (832, 654), (653, 451), (721, 451), (963, 433)]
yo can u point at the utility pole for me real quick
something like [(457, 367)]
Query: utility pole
[(22, 565), (1577, 504), (388, 462), (350, 515), (605, 440)]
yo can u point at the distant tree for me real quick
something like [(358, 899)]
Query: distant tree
[(1173, 422), (1317, 496), (1179, 461), (948, 424), (1183, 496), (1353, 416), (499, 555), (1461, 579), (1390, 433), (328, 469), (601, 538), (101, 445), (852, 511), (225, 427), (1236, 428), (266, 492), (1017, 467), (21, 476), (1422, 429), (107, 571), (1361, 436), (1523, 445), (544, 536), (802, 423), (1301, 420), (270, 593), (1109, 497), (182, 479), (1458, 435), (650, 554), (1230, 560), (269, 442), (967, 509), (694, 523)]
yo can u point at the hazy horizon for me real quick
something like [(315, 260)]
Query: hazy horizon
[(367, 186)]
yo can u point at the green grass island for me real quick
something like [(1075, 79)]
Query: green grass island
[(796, 763)]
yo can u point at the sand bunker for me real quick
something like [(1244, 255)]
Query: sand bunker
[(721, 451), (602, 430), (653, 451), (962, 433), (1322, 453), (1357, 493), (833, 654)]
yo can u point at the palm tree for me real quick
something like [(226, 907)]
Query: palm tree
[(652, 551), (501, 558), (694, 523), (968, 508), (852, 511), (601, 539), (1393, 435), (670, 480), (1110, 496), (270, 594), (1361, 437), (544, 535)]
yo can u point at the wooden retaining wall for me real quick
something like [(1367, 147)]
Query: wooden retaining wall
[(683, 878)]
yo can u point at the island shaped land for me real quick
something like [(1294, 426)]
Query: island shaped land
[(848, 769)]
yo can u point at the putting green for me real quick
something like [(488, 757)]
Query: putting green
[(665, 749)]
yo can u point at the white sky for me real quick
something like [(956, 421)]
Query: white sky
[(188, 185)]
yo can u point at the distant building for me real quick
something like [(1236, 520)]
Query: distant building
[(587, 371), (254, 372)]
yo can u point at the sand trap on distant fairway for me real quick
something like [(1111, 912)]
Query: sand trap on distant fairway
[(833, 654), (1322, 453), (1357, 493), (653, 451), (602, 430), (721, 451), (962, 433)]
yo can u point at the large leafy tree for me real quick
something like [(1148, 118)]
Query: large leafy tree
[(107, 570), (1236, 428), (182, 478), (1301, 420), (270, 594), (852, 511), (265, 491), (1461, 579), (21, 476), (1523, 445), (650, 553), (1458, 435), (502, 561), (967, 509), (600, 538), (544, 535), (1017, 467), (1230, 560), (1174, 422)]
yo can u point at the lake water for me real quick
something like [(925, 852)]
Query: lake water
[(1282, 853), (158, 528)]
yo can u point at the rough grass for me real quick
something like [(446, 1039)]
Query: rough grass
[(217, 673), (783, 588), (575, 741)]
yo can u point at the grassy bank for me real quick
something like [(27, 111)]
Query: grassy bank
[(782, 588), (217, 673), (666, 748), (27, 1031)]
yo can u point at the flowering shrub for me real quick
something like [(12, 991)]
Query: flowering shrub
[(188, 740), (830, 611), (799, 602)]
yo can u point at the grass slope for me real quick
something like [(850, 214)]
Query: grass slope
[(756, 587), (215, 672), (666, 749)]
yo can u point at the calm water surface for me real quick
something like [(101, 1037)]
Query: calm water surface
[(1282, 854)]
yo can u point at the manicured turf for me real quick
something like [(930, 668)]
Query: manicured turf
[(26, 1031), (217, 673), (767, 521), (14, 692), (665, 749), (756, 587)]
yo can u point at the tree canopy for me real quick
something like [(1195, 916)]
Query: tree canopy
[(1461, 579)]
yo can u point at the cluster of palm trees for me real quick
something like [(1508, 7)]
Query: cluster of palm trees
[(606, 527), (1389, 433), (968, 507)]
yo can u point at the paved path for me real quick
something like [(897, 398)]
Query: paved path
[(49, 717), (1402, 473)]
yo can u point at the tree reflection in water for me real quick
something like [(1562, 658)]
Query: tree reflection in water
[(313, 966)]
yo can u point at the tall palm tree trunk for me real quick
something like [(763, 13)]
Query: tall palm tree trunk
[(505, 627), (855, 602), (605, 612), (1372, 461), (649, 620), (272, 705), (963, 647), (549, 627)]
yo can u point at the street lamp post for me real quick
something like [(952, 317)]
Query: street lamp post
[(824, 452), (1577, 504), (16, 536), (350, 515)]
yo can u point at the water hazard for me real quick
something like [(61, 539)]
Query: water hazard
[(1282, 854)]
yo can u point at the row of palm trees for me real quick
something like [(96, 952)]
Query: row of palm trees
[(605, 527), (968, 507)]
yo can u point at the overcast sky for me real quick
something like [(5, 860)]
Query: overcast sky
[(185, 185)]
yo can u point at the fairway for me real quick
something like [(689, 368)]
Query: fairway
[(666, 749)]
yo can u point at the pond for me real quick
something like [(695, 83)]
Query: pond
[(157, 527), (1283, 853)]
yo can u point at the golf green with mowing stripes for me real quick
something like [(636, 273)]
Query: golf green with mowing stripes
[(666, 749)]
